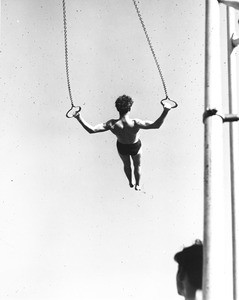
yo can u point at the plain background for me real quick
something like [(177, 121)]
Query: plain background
[(71, 228)]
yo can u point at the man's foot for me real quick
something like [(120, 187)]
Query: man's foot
[(131, 185), (137, 187)]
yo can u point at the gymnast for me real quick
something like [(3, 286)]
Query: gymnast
[(127, 133)]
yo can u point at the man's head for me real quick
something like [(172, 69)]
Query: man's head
[(190, 264), (123, 104)]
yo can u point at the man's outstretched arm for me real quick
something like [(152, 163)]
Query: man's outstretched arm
[(89, 128), (153, 125)]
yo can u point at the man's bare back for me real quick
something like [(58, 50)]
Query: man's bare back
[(126, 129)]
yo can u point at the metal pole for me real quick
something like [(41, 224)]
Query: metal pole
[(234, 148), (213, 256)]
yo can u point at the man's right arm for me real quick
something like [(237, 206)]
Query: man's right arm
[(150, 124)]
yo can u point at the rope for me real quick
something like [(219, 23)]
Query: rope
[(66, 52), (147, 37), (151, 47)]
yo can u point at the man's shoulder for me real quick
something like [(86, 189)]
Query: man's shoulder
[(110, 123), (137, 121)]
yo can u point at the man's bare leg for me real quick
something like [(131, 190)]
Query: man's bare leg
[(127, 168), (137, 170)]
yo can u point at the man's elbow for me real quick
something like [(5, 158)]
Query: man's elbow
[(158, 125), (155, 126), (92, 131), (95, 130)]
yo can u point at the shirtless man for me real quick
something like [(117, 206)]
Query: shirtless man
[(127, 133)]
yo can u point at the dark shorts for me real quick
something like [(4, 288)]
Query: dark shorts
[(128, 149)]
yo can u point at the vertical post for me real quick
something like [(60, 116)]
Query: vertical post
[(213, 256), (234, 147)]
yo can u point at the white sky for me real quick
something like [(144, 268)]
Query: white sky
[(70, 227)]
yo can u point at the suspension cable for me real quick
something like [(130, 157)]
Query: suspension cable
[(151, 47), (66, 52), (71, 112)]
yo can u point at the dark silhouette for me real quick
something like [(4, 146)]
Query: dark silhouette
[(189, 275)]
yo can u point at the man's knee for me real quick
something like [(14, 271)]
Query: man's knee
[(127, 165), (137, 163)]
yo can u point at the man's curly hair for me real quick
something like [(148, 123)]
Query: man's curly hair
[(123, 104)]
